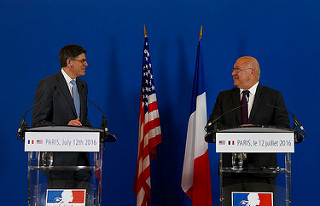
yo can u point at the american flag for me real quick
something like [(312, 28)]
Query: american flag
[(222, 142), (149, 131)]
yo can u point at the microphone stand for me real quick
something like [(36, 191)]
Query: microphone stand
[(23, 123), (107, 136)]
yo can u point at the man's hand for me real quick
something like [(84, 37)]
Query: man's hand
[(75, 122)]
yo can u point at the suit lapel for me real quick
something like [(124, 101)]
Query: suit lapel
[(236, 103), (81, 91), (62, 84), (256, 103)]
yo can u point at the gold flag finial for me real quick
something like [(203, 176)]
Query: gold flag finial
[(200, 35), (144, 31)]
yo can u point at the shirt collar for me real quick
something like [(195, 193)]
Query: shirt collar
[(252, 90), (66, 76)]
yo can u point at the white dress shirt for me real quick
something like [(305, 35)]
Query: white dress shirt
[(68, 80), (252, 93)]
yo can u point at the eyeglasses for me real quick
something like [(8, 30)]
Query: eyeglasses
[(237, 70), (81, 60)]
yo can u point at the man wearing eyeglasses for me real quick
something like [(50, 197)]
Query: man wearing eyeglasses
[(249, 91), (64, 102)]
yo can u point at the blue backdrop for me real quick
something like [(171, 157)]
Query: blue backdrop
[(282, 34)]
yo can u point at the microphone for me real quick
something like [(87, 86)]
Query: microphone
[(108, 137), (213, 123), (23, 123), (296, 123)]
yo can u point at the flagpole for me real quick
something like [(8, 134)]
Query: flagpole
[(144, 31)]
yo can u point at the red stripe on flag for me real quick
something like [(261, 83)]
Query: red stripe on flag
[(151, 125), (265, 199), (78, 196), (201, 187), (152, 106), (201, 181), (153, 143)]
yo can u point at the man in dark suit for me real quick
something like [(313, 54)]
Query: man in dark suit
[(61, 109), (246, 74)]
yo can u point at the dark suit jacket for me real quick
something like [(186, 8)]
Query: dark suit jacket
[(59, 110), (261, 114)]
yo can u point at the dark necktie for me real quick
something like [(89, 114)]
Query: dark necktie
[(244, 109), (76, 99)]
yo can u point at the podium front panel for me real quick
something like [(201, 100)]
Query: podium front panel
[(42, 172), (247, 187)]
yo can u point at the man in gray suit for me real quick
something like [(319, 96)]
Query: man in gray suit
[(60, 90), (246, 74)]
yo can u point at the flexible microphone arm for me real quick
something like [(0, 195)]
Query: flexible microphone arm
[(103, 125), (23, 123), (108, 137), (208, 127), (104, 121), (296, 123)]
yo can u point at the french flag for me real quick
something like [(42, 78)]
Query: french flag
[(231, 142), (196, 170), (67, 197), (252, 198)]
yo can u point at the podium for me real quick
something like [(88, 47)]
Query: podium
[(45, 144), (239, 186)]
